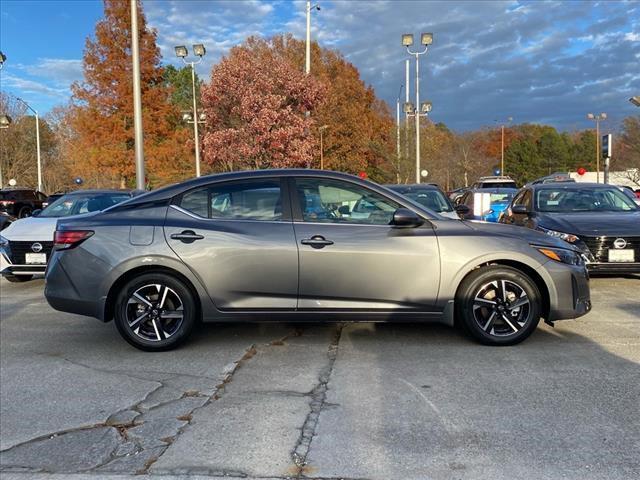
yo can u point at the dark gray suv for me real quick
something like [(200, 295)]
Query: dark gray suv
[(303, 245)]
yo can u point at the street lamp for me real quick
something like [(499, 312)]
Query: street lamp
[(398, 134), (5, 121), (426, 39), (39, 163), (3, 58), (199, 51), (502, 125), (597, 118), (635, 100), (322, 129), (307, 62)]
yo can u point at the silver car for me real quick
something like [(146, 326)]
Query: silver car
[(298, 245)]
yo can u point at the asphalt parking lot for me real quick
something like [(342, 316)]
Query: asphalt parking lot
[(354, 401)]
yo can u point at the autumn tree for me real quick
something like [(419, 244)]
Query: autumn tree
[(256, 113), (102, 113)]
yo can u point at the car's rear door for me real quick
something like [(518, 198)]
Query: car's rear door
[(351, 258), (237, 237)]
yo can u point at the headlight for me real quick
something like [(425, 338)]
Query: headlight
[(567, 237), (3, 242), (562, 255)]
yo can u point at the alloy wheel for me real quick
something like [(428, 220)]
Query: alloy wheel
[(154, 312), (501, 308)]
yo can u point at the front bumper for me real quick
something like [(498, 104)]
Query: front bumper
[(613, 267), (8, 268), (569, 292)]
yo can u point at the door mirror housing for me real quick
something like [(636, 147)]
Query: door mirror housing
[(520, 210), (462, 209), (36, 212), (405, 218)]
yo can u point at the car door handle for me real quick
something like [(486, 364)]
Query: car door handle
[(187, 236), (317, 241)]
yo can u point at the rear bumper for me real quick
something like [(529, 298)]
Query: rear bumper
[(613, 267), (63, 295)]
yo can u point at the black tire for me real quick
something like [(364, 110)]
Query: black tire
[(490, 305), (155, 332), (18, 278), (24, 212)]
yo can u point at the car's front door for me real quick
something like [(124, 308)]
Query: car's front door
[(350, 255), (237, 237)]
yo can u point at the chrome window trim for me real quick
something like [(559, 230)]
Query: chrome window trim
[(218, 219)]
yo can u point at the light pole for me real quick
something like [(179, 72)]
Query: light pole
[(635, 100), (425, 108), (322, 129), (426, 39), (502, 125), (5, 121), (398, 134), (199, 51), (37, 142), (137, 99), (307, 61), (597, 118)]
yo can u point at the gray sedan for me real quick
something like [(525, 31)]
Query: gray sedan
[(304, 245)]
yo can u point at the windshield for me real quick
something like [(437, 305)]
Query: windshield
[(431, 198), (77, 204), (583, 199)]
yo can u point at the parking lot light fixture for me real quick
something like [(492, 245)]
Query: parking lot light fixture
[(635, 100), (5, 121), (426, 38), (199, 51), (425, 107), (407, 39), (408, 108), (3, 58)]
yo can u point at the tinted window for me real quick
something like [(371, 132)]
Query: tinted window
[(82, 203), (258, 200), (583, 200), (506, 184), (333, 201), (431, 198)]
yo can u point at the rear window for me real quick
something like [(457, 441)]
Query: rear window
[(505, 184)]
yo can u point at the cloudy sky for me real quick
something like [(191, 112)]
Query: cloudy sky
[(542, 61)]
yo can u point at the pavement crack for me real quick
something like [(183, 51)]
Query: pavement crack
[(316, 404)]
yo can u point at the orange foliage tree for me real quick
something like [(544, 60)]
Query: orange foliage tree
[(102, 107)]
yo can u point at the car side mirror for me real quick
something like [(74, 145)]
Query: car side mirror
[(462, 209), (36, 212), (405, 218), (520, 210)]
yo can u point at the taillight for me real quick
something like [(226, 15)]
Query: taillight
[(64, 239), (6, 203)]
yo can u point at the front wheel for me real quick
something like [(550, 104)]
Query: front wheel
[(155, 312), (24, 212), (499, 305)]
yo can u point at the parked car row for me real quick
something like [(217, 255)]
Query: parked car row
[(26, 244)]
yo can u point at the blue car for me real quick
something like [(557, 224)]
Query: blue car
[(486, 204)]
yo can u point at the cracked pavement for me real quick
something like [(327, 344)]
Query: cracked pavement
[(336, 401)]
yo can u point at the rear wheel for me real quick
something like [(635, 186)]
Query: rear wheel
[(18, 278), (499, 305), (24, 212), (155, 312)]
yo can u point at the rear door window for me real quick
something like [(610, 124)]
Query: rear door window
[(251, 200)]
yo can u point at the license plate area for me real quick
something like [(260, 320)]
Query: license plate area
[(621, 255), (35, 258)]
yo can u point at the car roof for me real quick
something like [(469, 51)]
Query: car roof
[(95, 191), (413, 186), (570, 185)]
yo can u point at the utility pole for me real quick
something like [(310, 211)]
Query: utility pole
[(137, 98), (398, 135), (38, 158)]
